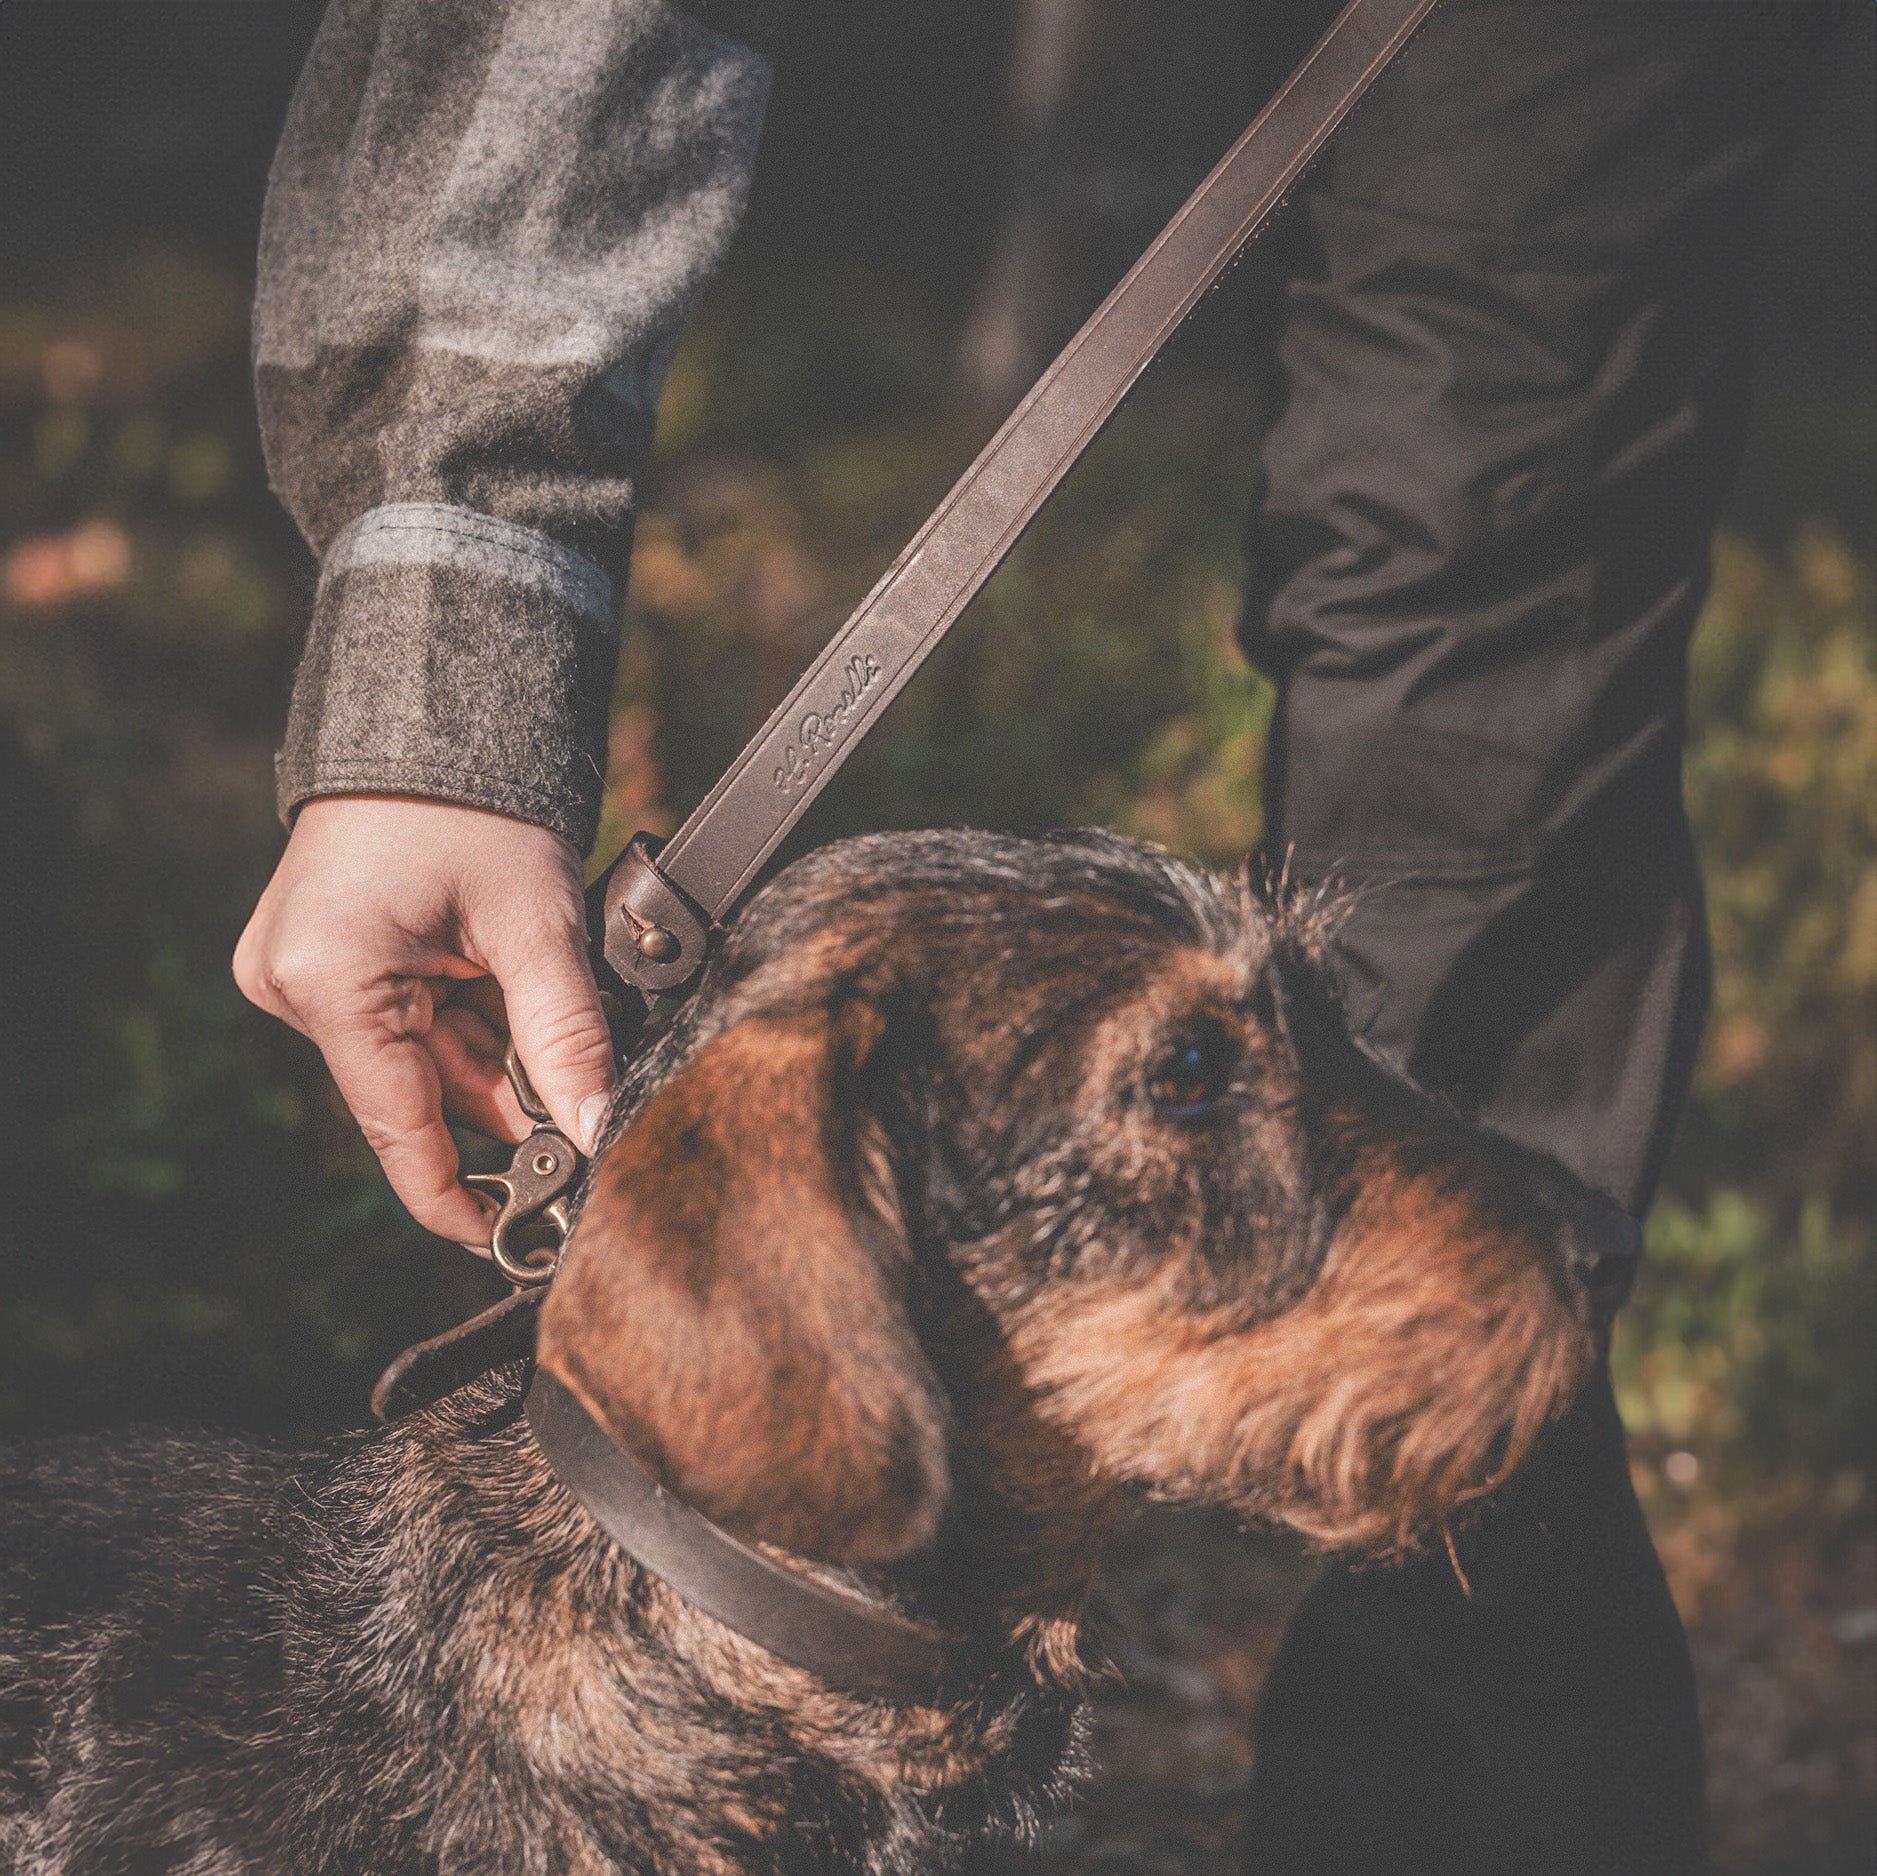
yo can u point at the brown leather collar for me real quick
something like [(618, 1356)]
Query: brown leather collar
[(859, 1646), (855, 1645)]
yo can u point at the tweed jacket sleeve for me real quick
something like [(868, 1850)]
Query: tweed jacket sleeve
[(484, 227)]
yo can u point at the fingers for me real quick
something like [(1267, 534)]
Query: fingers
[(469, 1053), (391, 1084), (370, 939), (374, 1027), (555, 1017)]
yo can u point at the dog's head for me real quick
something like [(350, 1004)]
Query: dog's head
[(968, 1133)]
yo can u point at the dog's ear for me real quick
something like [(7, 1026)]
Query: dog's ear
[(733, 1308)]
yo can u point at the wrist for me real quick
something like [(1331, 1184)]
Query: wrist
[(457, 658)]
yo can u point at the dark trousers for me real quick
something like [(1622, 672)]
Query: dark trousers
[(1513, 382)]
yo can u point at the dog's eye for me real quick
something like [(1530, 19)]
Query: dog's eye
[(1193, 1073)]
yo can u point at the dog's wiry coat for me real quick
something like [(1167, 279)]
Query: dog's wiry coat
[(983, 1178)]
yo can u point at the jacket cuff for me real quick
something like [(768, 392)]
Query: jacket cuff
[(459, 657)]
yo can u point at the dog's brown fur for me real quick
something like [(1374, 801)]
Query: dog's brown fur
[(983, 1179)]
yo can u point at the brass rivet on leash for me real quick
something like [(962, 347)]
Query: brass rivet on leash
[(545, 1163), (657, 945)]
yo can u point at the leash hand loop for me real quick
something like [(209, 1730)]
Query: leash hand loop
[(532, 1219)]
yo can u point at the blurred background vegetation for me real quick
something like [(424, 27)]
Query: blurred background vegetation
[(190, 1228)]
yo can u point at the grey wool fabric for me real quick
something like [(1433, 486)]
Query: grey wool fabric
[(485, 226)]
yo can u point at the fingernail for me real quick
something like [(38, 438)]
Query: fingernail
[(591, 1120)]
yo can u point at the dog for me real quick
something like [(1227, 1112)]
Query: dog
[(984, 1179)]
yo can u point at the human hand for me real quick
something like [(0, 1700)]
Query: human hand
[(404, 937)]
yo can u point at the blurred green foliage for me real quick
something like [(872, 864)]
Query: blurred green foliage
[(1753, 1330), (201, 1235)]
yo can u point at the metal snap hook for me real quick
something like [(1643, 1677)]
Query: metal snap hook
[(532, 1217)]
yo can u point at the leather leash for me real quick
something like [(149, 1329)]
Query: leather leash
[(654, 913)]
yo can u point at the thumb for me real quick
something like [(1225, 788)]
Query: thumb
[(559, 1028)]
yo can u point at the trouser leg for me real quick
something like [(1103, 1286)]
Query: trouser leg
[(1513, 384), (1538, 1720)]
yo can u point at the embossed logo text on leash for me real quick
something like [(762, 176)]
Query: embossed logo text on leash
[(822, 729)]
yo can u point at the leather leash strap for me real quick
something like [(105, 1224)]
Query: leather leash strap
[(656, 906), (431, 1370)]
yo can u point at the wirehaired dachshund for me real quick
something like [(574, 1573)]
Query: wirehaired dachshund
[(984, 1178)]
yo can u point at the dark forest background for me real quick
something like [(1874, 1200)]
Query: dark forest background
[(189, 1227)]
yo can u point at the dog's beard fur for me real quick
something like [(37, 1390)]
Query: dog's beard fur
[(1414, 1377)]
